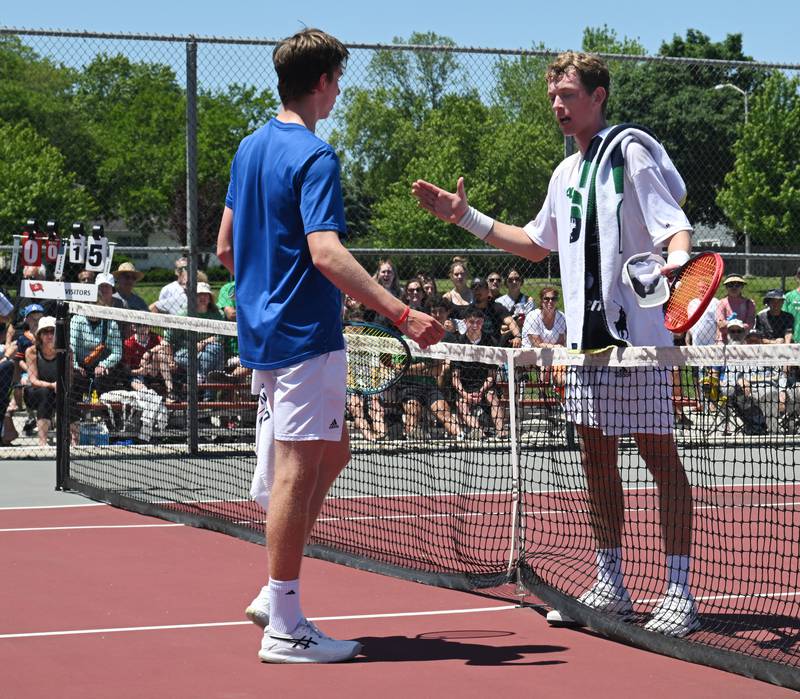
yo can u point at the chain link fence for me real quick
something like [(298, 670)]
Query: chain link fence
[(137, 132)]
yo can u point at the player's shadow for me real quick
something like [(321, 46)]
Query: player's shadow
[(455, 645)]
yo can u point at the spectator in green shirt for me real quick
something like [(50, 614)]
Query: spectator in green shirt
[(791, 304)]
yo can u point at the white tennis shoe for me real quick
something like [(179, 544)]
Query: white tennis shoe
[(602, 597), (675, 615), (258, 610), (305, 644)]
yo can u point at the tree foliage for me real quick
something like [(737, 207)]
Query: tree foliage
[(34, 182), (762, 191)]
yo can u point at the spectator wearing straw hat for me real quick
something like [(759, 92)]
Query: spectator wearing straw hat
[(126, 277), (775, 324), (734, 305)]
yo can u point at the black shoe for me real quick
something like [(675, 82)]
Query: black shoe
[(683, 421), (30, 427)]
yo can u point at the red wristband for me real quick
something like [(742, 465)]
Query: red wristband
[(403, 317)]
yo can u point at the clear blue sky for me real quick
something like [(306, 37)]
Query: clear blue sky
[(769, 31)]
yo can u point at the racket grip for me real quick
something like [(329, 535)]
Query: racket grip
[(403, 317)]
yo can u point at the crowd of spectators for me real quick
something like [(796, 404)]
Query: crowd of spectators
[(457, 399)]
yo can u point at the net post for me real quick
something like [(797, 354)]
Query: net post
[(515, 543), (62, 399), (191, 238)]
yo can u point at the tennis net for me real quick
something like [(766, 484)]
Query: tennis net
[(489, 493)]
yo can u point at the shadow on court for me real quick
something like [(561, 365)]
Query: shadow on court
[(451, 645)]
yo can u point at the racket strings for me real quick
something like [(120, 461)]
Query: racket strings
[(698, 280)]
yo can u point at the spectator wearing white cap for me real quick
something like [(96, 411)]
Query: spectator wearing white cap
[(775, 324), (126, 276), (210, 349), (105, 291)]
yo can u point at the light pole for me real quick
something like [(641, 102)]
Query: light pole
[(743, 93)]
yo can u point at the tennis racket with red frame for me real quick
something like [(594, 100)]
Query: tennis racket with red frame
[(693, 286)]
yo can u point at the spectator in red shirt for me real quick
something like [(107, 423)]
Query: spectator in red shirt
[(149, 359)]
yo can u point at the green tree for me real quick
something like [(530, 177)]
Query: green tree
[(762, 191), (35, 182), (135, 113), (678, 102)]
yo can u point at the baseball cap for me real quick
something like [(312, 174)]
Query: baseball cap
[(774, 294), (32, 308), (203, 288), (105, 278), (735, 323), (478, 283)]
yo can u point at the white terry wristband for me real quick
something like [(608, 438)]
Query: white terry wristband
[(677, 258), (480, 225)]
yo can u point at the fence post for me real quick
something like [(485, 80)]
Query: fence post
[(63, 387), (191, 238)]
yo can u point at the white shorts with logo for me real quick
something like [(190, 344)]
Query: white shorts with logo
[(302, 402), (620, 401)]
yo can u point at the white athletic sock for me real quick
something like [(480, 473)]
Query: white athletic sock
[(678, 574), (284, 605), (609, 566)]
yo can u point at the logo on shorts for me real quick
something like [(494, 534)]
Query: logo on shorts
[(334, 425)]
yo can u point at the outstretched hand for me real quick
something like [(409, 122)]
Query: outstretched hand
[(448, 206)]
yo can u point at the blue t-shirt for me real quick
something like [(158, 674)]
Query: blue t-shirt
[(284, 185)]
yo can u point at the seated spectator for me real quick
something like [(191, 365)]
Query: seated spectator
[(234, 371), (40, 393), (149, 360), (414, 295), (775, 324), (475, 382), (734, 305), (735, 332), (210, 349), (96, 346), (515, 302), (172, 297), (440, 308), (494, 280), (546, 327), (386, 276), (105, 291), (126, 277), (496, 317), (428, 282), (86, 276), (8, 432), (418, 390), (460, 294), (26, 338)]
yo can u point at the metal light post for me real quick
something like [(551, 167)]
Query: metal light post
[(743, 93)]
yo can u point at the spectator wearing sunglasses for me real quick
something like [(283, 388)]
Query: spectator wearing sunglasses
[(734, 305), (494, 280)]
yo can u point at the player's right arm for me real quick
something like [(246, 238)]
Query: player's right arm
[(452, 207), (336, 263)]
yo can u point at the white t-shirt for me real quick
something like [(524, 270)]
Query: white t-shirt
[(172, 299), (649, 217), (534, 325), (704, 331), (523, 306)]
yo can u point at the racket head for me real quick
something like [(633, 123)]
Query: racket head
[(377, 357), (698, 279)]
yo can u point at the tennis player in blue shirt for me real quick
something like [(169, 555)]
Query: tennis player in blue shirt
[(280, 236)]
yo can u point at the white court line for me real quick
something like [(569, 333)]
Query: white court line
[(56, 507), (129, 629), (90, 526), (714, 598)]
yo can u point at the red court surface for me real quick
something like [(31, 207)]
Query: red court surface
[(97, 602)]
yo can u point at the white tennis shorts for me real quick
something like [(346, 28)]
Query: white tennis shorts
[(621, 401), (302, 402)]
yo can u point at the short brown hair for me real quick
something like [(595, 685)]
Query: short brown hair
[(591, 70), (302, 58)]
